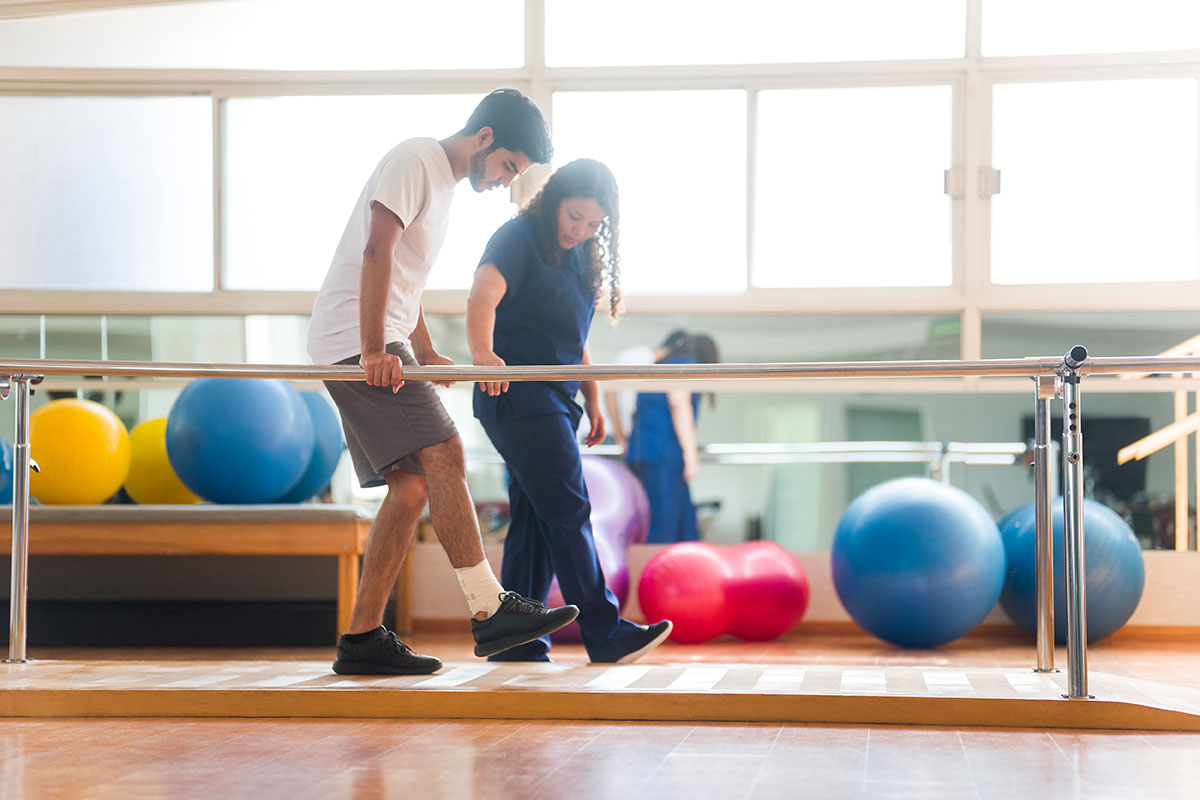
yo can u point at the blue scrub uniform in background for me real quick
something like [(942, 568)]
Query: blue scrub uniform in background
[(656, 458), (544, 318)]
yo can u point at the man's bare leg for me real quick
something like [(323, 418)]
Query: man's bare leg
[(453, 514), (450, 505), (500, 619), (388, 544)]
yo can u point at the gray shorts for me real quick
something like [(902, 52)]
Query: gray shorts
[(383, 430)]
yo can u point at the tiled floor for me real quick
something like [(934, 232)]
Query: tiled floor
[(288, 758)]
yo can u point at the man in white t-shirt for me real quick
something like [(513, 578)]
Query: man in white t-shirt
[(368, 312)]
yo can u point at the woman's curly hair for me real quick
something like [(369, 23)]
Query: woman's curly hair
[(583, 177)]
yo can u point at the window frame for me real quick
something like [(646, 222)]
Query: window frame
[(971, 78)]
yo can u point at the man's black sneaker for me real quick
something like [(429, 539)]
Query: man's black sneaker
[(651, 637), (382, 654), (517, 621)]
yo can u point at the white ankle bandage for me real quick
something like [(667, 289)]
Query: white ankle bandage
[(480, 586)]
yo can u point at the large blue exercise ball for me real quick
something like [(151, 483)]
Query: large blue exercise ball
[(327, 449), (917, 562), (1114, 572), (239, 440), (6, 471)]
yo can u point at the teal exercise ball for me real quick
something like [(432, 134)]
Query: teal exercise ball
[(239, 440), (327, 449), (1114, 571), (917, 562), (6, 471)]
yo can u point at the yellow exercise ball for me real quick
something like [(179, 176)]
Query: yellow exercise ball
[(152, 479), (82, 450)]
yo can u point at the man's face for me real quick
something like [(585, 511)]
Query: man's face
[(496, 166)]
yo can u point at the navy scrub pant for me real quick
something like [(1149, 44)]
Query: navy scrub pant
[(550, 534)]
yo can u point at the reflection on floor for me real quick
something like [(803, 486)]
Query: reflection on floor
[(269, 758)]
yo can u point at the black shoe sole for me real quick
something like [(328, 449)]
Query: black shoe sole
[(359, 668), (490, 648)]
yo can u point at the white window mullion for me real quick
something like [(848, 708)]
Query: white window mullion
[(972, 222), (218, 118), (751, 181)]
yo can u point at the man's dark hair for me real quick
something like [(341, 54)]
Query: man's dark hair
[(517, 124)]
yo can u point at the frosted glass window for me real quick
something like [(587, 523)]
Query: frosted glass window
[(1041, 27), (274, 34), (1099, 182), (1137, 333), (850, 187), (295, 166), (635, 32), (106, 193), (680, 163)]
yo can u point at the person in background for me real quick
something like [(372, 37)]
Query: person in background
[(368, 313), (532, 302), (662, 449), (619, 406)]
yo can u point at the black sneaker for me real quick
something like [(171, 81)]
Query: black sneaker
[(382, 654), (651, 637), (517, 621)]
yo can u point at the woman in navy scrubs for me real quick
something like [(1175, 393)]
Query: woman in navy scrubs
[(532, 302), (662, 449)]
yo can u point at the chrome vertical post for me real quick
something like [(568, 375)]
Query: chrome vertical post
[(1045, 389), (944, 463), (1073, 538), (22, 463)]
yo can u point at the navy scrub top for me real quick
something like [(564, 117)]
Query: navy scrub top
[(653, 439), (543, 318)]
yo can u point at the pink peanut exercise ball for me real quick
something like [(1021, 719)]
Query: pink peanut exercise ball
[(767, 593), (620, 517), (685, 583), (756, 591)]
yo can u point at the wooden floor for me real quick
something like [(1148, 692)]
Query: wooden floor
[(959, 692), (376, 758)]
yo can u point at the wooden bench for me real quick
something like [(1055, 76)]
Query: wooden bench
[(205, 530)]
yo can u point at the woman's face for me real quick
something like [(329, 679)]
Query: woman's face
[(578, 220)]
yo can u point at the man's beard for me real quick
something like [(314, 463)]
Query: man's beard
[(478, 168)]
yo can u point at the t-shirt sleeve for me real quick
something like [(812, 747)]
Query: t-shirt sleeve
[(403, 186), (512, 252)]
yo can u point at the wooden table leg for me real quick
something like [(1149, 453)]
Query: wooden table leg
[(403, 598), (347, 589)]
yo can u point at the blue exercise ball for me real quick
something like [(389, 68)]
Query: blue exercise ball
[(6, 471), (1114, 572), (239, 440), (327, 449), (917, 562)]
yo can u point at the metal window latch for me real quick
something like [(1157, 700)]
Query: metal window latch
[(989, 182), (952, 182), (5, 386)]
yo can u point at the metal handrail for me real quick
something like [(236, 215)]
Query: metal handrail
[(998, 367), (1049, 375)]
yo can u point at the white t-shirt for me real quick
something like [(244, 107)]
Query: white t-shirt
[(414, 181), (627, 398)]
